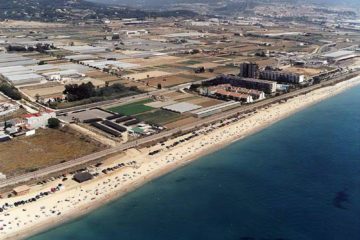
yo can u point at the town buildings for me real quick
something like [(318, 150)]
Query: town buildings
[(280, 76), (249, 70)]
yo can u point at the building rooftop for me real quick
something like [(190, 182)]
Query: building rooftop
[(340, 53), (181, 107)]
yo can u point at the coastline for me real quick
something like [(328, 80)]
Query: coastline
[(215, 140)]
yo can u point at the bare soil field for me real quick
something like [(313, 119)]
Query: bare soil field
[(181, 122), (154, 61), (3, 99), (177, 96), (147, 75), (303, 71), (205, 102), (44, 90), (45, 148), (29, 24), (168, 81)]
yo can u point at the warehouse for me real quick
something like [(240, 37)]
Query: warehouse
[(181, 107), (28, 78), (108, 63), (339, 55), (58, 75), (81, 57), (205, 112)]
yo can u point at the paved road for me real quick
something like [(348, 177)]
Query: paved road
[(83, 160)]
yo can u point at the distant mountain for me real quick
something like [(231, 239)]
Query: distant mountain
[(55, 10), (163, 3)]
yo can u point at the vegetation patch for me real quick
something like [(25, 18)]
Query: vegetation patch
[(133, 108), (46, 148), (159, 117)]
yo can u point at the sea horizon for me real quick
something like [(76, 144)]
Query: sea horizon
[(297, 179)]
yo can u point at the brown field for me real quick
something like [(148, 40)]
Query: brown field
[(3, 99), (54, 89), (141, 86), (181, 122), (44, 90), (266, 62), (154, 61), (47, 147), (303, 71), (146, 75), (178, 96), (205, 102), (206, 65), (168, 81), (102, 76)]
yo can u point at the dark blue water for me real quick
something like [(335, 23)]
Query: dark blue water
[(297, 180)]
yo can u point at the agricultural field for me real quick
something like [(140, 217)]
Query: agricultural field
[(44, 90), (169, 81), (133, 108), (160, 117), (304, 71), (181, 122), (47, 147)]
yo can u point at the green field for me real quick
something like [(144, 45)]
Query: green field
[(190, 62), (133, 108), (160, 117)]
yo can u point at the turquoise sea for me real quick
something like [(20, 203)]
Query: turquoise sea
[(296, 180)]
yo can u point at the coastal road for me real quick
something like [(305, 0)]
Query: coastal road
[(189, 127)]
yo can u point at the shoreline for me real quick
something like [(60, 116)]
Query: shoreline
[(284, 110)]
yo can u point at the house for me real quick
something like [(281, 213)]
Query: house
[(38, 120)]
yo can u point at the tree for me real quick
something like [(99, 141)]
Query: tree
[(76, 92), (10, 91), (53, 123)]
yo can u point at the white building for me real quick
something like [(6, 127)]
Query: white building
[(38, 120), (280, 76), (136, 32)]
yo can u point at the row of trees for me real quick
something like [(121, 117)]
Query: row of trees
[(10, 91), (76, 92), (40, 47)]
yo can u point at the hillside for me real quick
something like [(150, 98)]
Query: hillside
[(57, 10)]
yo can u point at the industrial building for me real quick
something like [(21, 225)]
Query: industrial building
[(205, 112), (103, 64), (339, 55), (22, 78)]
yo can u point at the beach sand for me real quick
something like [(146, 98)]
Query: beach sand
[(138, 167)]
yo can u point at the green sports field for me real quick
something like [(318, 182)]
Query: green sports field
[(133, 108), (160, 117)]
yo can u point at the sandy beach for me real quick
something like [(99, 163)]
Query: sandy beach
[(118, 175)]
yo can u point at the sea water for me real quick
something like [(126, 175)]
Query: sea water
[(298, 179)]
